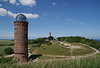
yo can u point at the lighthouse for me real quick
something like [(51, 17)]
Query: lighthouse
[(21, 38)]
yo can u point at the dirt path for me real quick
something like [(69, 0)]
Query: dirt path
[(35, 51), (67, 57), (29, 54), (60, 56), (96, 51)]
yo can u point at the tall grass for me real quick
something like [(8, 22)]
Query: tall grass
[(90, 62)]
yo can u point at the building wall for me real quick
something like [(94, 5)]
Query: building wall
[(21, 41)]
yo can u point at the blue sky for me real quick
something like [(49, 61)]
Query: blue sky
[(60, 17)]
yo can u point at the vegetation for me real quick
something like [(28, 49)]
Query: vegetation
[(37, 41), (5, 60), (89, 62), (6, 42), (36, 45), (9, 50), (50, 38), (49, 43), (90, 42), (2, 48), (57, 49)]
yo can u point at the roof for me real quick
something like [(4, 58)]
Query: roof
[(21, 17)]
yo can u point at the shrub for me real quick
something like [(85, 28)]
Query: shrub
[(49, 43), (50, 38), (8, 50), (78, 39)]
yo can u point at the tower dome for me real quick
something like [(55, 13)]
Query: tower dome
[(21, 17)]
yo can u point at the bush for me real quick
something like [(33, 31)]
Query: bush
[(49, 43), (37, 41), (78, 39), (9, 50), (50, 38)]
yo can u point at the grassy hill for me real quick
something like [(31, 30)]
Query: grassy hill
[(56, 55), (57, 49)]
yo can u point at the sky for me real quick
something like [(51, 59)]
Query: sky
[(60, 17)]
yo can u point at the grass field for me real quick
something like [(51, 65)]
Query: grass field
[(6, 42), (83, 50), (57, 49), (2, 49), (89, 62)]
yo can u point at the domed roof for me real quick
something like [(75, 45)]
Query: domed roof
[(21, 17)]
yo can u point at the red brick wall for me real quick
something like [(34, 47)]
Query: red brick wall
[(21, 41)]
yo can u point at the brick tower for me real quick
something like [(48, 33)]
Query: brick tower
[(49, 34), (21, 38)]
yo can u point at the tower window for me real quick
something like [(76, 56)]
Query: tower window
[(15, 49), (25, 32), (16, 28), (15, 31), (15, 40), (18, 59), (22, 24), (25, 40)]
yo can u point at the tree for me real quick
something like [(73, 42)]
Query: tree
[(50, 37), (9, 50)]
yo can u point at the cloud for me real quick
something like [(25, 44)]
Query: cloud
[(31, 15), (23, 2), (13, 1), (28, 15), (3, 12), (17, 3), (28, 2), (54, 3), (0, 4), (12, 14)]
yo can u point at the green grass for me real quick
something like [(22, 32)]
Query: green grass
[(57, 49), (89, 62), (46, 57), (2, 49), (50, 57), (33, 48), (53, 49), (84, 50), (6, 42)]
